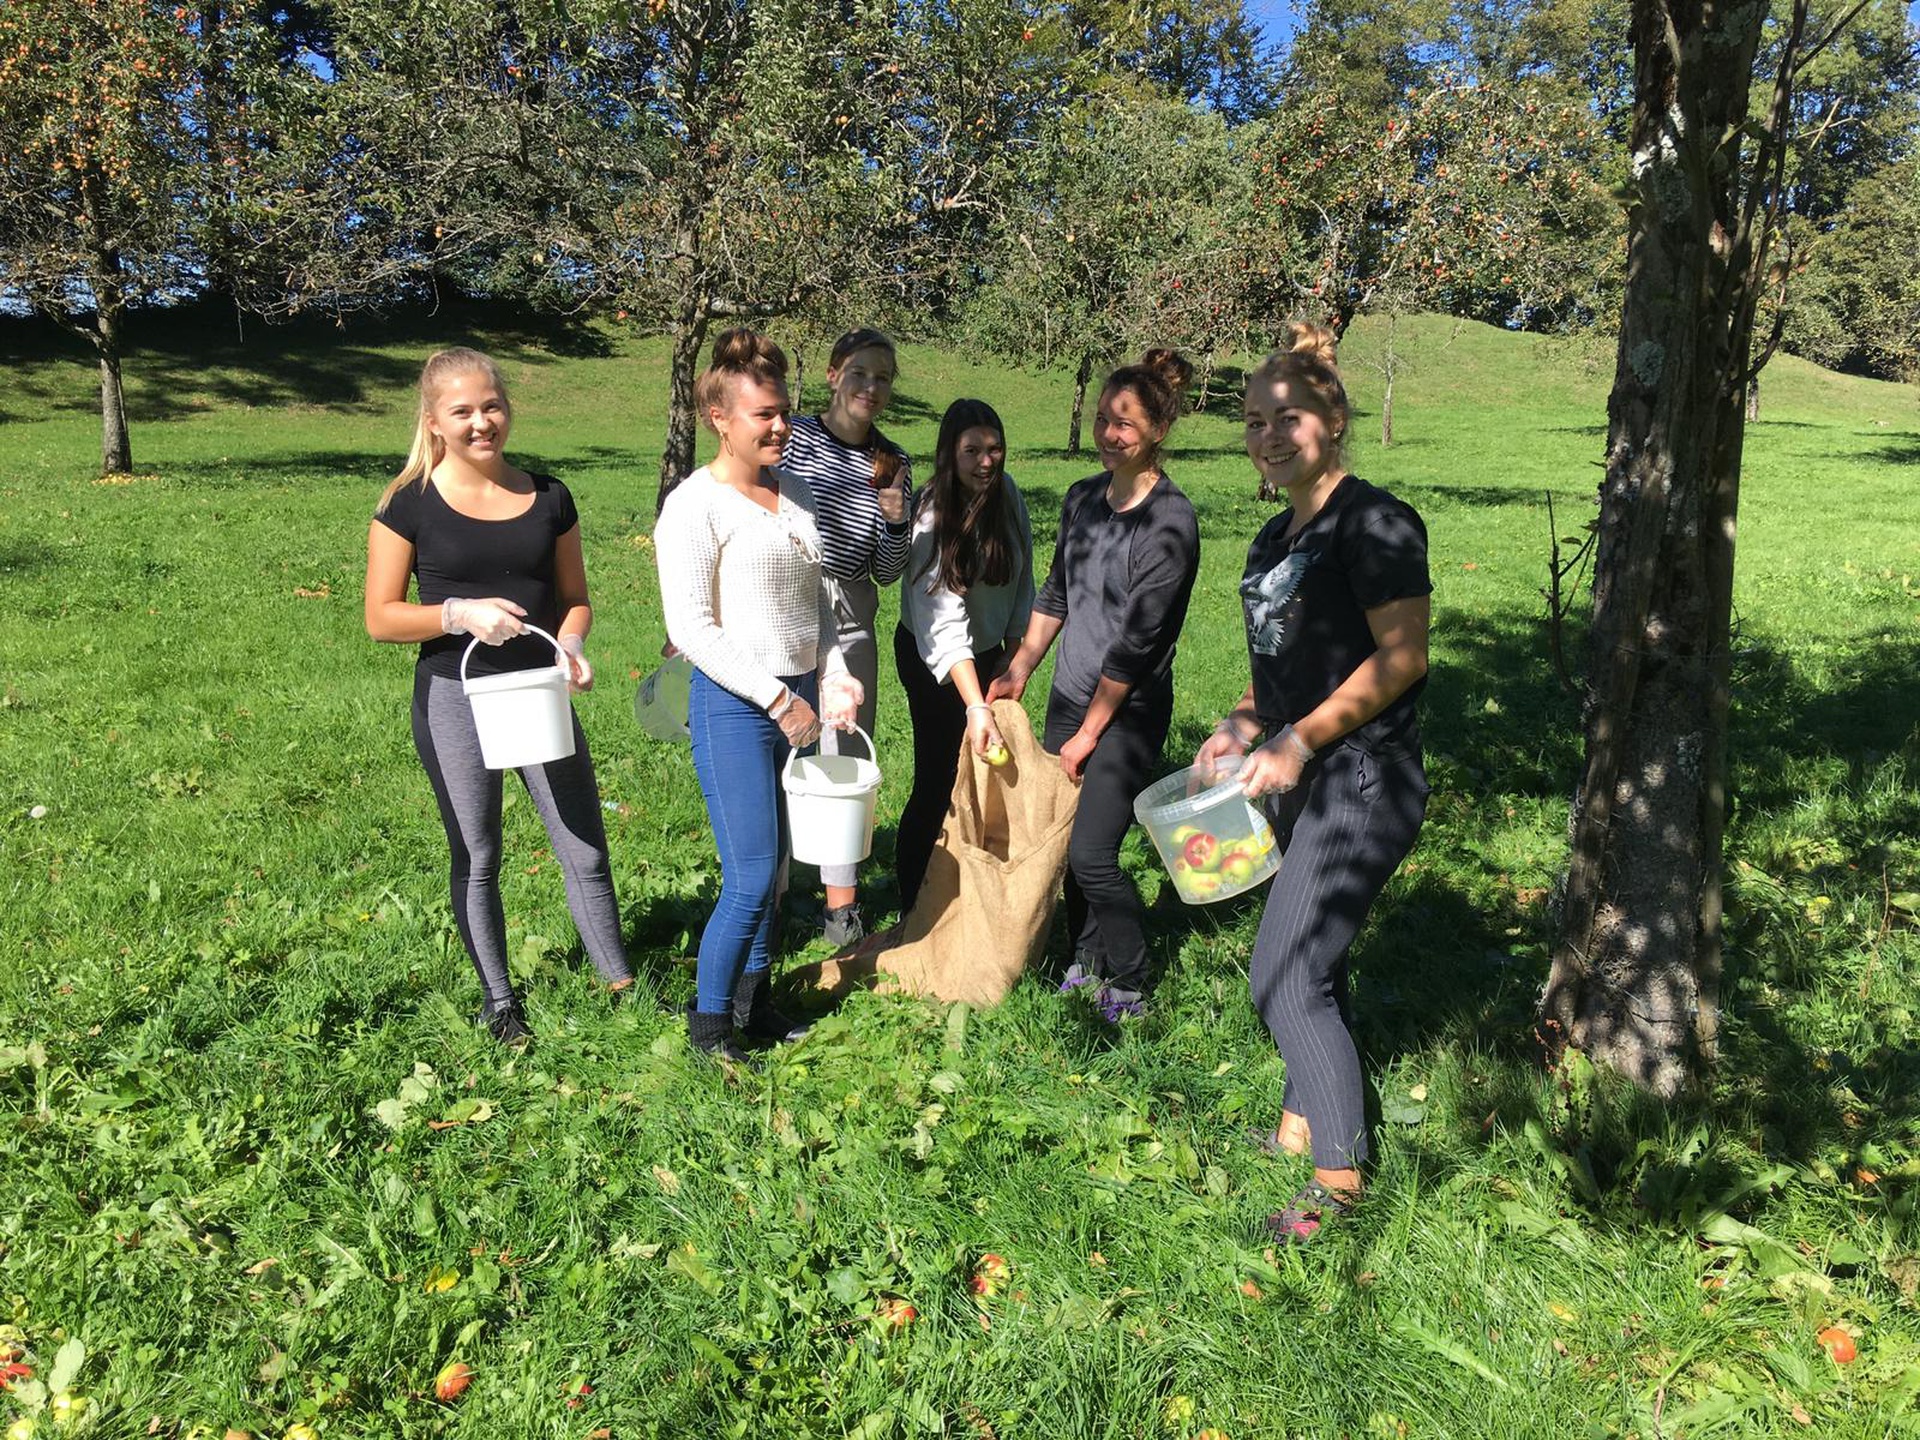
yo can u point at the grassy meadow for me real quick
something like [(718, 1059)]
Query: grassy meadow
[(258, 1170)]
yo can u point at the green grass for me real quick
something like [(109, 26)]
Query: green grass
[(229, 947)]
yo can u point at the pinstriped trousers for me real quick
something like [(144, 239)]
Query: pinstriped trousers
[(1343, 831)]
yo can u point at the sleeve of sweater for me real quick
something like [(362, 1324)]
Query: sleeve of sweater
[(1166, 557), (686, 548), (1052, 598), (893, 544), (939, 617)]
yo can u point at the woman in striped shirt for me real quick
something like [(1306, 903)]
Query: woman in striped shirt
[(862, 484)]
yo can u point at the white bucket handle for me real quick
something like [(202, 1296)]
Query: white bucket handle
[(793, 752), (559, 651)]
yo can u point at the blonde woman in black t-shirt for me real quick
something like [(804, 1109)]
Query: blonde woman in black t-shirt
[(1336, 602), (491, 550)]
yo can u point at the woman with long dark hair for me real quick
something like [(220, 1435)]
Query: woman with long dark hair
[(964, 606)]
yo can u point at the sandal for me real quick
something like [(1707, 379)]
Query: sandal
[(1300, 1221)]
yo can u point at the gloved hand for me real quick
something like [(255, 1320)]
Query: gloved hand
[(1276, 766), (982, 734), (1224, 744), (491, 622), (840, 701), (579, 672), (797, 721)]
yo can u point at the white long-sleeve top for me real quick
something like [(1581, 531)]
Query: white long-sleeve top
[(741, 585), (948, 628)]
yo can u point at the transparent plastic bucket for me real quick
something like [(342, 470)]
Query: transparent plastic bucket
[(830, 805), (523, 716), (1214, 841), (660, 701)]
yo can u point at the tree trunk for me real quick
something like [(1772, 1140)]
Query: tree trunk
[(799, 382), (116, 447), (1753, 399), (1386, 412), (1204, 396), (1636, 967), (1080, 379), (689, 335)]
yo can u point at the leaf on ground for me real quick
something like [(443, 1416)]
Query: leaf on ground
[(440, 1279), (1448, 1349), (467, 1112), (67, 1361), (686, 1261), (668, 1181)]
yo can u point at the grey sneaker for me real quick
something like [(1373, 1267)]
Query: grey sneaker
[(1117, 1004), (1078, 974), (844, 926)]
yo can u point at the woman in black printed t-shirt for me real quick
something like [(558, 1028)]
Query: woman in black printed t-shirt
[(1336, 599), (492, 549), (862, 484), (1123, 569)]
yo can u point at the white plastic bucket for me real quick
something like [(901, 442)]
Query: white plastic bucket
[(1215, 843), (522, 715), (661, 701), (830, 805)]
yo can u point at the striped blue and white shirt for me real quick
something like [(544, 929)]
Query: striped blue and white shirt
[(856, 541)]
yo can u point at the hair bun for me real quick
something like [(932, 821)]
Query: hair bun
[(1316, 342), (742, 350), (1171, 366)]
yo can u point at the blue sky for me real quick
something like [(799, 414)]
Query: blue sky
[(1277, 17)]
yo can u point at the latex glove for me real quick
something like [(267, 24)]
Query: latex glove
[(1223, 744), (798, 722), (982, 733), (491, 622), (579, 672), (1276, 765), (840, 701)]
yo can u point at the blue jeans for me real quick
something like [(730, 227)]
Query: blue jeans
[(737, 753)]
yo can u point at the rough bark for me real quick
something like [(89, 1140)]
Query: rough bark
[(1080, 379), (116, 447), (1636, 968), (689, 335)]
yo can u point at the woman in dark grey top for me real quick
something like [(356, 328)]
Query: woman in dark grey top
[(1123, 570)]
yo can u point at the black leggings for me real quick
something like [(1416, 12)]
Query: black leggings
[(1343, 831), (1104, 913), (939, 718)]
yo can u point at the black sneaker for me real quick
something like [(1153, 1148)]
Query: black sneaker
[(506, 1021), (844, 925)]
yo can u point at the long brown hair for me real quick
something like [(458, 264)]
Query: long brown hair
[(428, 448), (974, 539)]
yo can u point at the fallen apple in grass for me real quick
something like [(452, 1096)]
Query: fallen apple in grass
[(895, 1313), (1838, 1344), (452, 1381)]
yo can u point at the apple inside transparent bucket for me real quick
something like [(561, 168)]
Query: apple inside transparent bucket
[(1214, 841)]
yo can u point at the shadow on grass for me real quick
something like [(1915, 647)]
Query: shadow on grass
[(183, 359)]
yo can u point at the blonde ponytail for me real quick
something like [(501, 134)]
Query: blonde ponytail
[(428, 448)]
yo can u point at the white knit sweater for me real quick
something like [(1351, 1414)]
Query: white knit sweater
[(741, 586)]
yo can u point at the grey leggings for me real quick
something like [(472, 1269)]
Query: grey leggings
[(1344, 831), (568, 802)]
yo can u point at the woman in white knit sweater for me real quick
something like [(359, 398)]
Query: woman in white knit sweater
[(738, 549), (964, 605)]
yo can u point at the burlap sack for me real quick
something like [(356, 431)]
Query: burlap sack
[(983, 911)]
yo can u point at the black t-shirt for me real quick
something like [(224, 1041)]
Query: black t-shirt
[(1306, 600), (1121, 580), (456, 555)]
